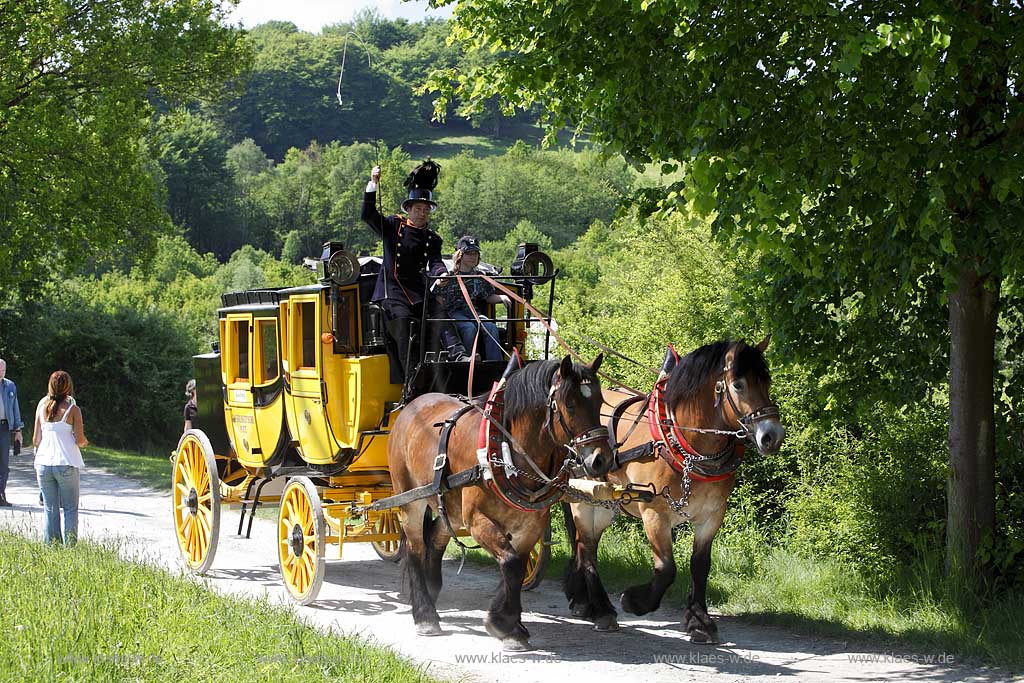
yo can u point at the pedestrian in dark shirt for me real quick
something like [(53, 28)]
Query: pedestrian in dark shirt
[(190, 412)]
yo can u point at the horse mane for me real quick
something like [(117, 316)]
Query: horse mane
[(527, 389), (694, 369)]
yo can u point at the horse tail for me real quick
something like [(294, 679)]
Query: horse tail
[(570, 531)]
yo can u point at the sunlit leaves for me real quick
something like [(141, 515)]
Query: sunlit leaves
[(76, 84)]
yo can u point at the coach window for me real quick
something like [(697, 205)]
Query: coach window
[(242, 345), (266, 335), (307, 314), (224, 355), (347, 324)]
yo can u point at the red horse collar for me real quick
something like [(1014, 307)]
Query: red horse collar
[(492, 457), (673, 447)]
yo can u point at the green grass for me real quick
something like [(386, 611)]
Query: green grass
[(151, 470), (443, 144), (84, 614)]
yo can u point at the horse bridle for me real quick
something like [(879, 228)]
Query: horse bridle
[(748, 421), (581, 440)]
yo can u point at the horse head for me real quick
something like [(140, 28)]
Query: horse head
[(741, 394), (574, 415), (735, 377)]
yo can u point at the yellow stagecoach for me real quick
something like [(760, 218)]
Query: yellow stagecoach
[(298, 392)]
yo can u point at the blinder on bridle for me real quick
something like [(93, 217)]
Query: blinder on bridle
[(748, 421), (599, 433)]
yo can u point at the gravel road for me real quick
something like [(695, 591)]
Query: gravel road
[(360, 596)]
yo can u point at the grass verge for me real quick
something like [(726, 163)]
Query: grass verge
[(766, 583), (151, 470), (84, 614)]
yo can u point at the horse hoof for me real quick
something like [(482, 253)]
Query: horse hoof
[(606, 624), (630, 605), (429, 629), (515, 645), (580, 611), (699, 635)]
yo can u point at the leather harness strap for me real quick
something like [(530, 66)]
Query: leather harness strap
[(673, 447), (443, 484), (499, 462)]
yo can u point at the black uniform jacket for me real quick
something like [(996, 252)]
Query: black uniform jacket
[(407, 251)]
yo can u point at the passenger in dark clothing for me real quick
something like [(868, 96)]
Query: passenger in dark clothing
[(410, 246)]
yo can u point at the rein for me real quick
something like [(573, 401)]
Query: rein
[(543, 321)]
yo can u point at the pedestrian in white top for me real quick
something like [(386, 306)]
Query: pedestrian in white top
[(58, 437)]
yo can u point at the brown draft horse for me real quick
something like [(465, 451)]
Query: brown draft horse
[(721, 388), (552, 410)]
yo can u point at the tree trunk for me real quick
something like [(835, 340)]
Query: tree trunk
[(971, 485)]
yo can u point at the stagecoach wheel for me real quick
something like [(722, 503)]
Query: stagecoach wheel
[(301, 532), (196, 499), (388, 523), (537, 563)]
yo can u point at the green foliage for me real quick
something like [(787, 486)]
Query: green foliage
[(667, 273), (126, 357), (502, 252), (289, 100), (193, 153), (560, 193), (837, 159), (128, 339), (76, 84), (876, 496), (317, 194)]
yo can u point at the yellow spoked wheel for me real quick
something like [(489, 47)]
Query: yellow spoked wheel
[(301, 532), (196, 498), (537, 563), (388, 523)]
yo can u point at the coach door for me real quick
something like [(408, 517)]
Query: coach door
[(236, 356), (304, 351)]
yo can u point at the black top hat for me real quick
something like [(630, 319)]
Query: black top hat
[(418, 195), (468, 243), (421, 181)]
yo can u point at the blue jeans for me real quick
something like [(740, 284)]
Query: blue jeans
[(488, 346), (5, 458), (59, 484)]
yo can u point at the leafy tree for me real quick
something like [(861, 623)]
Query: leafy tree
[(503, 252), (560, 193), (316, 194), (870, 153), (289, 100), (76, 82), (410, 63), (192, 151), (250, 168)]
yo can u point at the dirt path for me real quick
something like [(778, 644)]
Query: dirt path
[(360, 596)]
